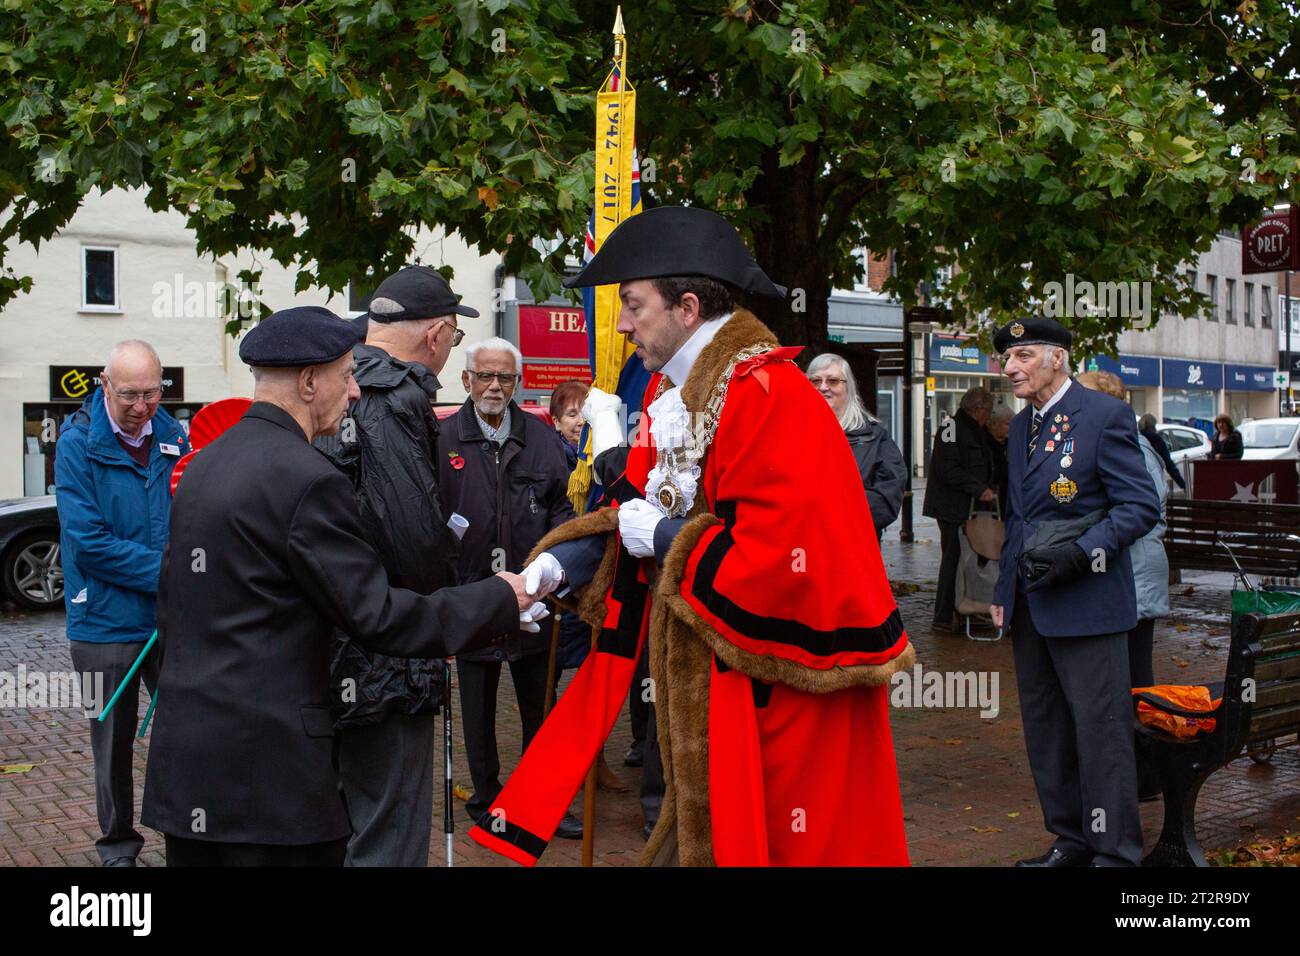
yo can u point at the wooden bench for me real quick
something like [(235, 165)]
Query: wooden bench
[(1260, 702), (1260, 536)]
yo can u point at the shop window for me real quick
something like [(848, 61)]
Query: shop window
[(1265, 307), (99, 279), (1189, 404)]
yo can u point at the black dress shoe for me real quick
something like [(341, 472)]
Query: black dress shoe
[(120, 861), (1058, 857), (570, 828), (635, 757)]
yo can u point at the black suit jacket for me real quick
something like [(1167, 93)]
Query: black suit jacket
[(960, 469), (266, 558)]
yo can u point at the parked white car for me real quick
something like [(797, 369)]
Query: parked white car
[(1185, 443), (1269, 438)]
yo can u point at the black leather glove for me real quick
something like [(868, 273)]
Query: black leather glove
[(1045, 567)]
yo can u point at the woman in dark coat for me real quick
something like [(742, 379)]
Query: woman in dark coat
[(880, 463), (1227, 440), (566, 414)]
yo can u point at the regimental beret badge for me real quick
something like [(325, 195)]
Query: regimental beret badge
[(1017, 330)]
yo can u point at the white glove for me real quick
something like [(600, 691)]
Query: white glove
[(636, 526), (601, 411), (528, 619), (543, 576)]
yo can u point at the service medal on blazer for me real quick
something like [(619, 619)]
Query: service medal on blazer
[(1063, 489)]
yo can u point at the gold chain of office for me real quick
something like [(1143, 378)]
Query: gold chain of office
[(668, 460)]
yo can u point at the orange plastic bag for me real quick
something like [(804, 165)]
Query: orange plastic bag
[(1184, 697)]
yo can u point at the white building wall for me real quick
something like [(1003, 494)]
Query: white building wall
[(48, 326)]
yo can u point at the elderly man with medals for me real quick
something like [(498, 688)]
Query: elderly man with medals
[(759, 594), (1078, 496)]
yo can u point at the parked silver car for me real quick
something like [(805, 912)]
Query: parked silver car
[(29, 552)]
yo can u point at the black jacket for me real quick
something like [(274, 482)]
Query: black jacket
[(960, 470), (387, 447), (884, 476), (1162, 450), (511, 495), (1226, 448), (266, 559)]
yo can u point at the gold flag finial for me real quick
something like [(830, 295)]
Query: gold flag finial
[(618, 21)]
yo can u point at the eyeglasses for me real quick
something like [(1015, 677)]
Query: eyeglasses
[(148, 396), (829, 382), (456, 334), (504, 379)]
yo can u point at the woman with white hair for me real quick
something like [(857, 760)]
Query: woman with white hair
[(879, 461)]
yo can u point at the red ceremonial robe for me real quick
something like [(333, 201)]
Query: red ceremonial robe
[(773, 633)]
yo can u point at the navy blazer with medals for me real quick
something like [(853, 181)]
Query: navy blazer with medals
[(1106, 471)]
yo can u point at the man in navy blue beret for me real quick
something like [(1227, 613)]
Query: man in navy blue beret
[(266, 559), (1078, 496)]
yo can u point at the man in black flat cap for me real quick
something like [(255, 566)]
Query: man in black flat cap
[(384, 706), (267, 558), (1078, 496)]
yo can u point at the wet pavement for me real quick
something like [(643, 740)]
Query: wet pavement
[(967, 792)]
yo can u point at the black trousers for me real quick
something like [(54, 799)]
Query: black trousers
[(945, 597), (478, 706), (182, 851), (113, 742), (1078, 719), (638, 708), (1142, 674)]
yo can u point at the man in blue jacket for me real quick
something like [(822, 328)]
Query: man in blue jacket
[(1078, 496), (112, 468)]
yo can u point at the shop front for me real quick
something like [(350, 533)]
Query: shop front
[(1249, 392), (1191, 391), (957, 364), (1140, 375)]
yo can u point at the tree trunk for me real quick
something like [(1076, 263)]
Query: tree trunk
[(790, 249)]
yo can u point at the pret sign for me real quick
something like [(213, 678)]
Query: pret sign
[(1270, 245)]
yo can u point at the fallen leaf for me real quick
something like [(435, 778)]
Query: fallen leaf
[(968, 808), (1014, 815), (1188, 591), (1179, 662), (460, 792), (953, 741), (16, 768), (1180, 626), (987, 829)]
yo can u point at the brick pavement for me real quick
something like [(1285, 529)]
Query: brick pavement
[(967, 793)]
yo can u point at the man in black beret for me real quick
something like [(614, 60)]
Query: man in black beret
[(1078, 496), (267, 558), (384, 706)]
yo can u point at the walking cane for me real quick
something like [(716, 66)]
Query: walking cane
[(550, 663), (448, 820), (129, 674), (589, 794)]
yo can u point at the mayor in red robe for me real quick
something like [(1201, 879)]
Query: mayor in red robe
[(737, 549)]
